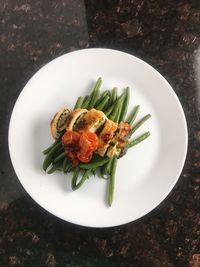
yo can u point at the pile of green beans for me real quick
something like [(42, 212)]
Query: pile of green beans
[(115, 108)]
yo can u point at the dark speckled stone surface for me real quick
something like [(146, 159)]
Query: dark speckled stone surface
[(166, 34)]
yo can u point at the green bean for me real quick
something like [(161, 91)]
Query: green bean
[(54, 168), (85, 98), (68, 167), (120, 110), (138, 139), (93, 171), (51, 155), (103, 103), (65, 163), (103, 175), (125, 104), (95, 98), (46, 151), (108, 166), (60, 156), (78, 102), (58, 151), (117, 118), (140, 122), (114, 94), (75, 177), (133, 115), (99, 172), (76, 185), (95, 94), (47, 162), (109, 100), (102, 170), (94, 164), (55, 148), (115, 111), (105, 93), (112, 181), (86, 103), (109, 110)]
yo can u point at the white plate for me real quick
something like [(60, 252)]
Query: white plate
[(145, 175)]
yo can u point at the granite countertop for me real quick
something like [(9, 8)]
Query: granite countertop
[(166, 34)]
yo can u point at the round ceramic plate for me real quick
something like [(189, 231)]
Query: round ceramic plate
[(145, 175)]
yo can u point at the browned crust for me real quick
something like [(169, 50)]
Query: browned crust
[(106, 136), (53, 124), (90, 118), (73, 117)]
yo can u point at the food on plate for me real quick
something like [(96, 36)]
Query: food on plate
[(58, 122), (91, 137), (106, 136), (81, 140)]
